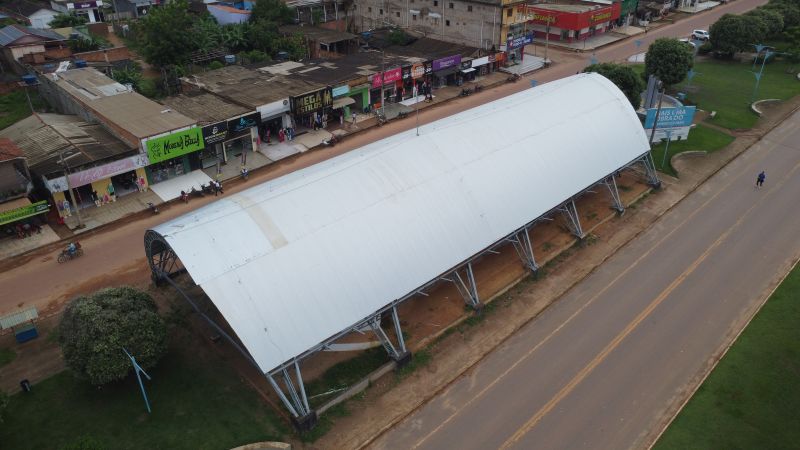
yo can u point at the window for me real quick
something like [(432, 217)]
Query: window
[(451, 5), (414, 17), (398, 13), (447, 22), (435, 2), (469, 8), (509, 12), (380, 11), (369, 8)]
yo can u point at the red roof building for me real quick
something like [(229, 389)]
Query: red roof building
[(570, 22)]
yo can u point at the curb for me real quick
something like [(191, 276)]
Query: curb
[(754, 106)]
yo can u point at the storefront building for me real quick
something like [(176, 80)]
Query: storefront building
[(312, 108), (572, 22), (173, 154), (91, 10), (359, 92), (445, 70)]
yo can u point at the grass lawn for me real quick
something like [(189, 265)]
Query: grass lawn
[(14, 107), (751, 398), (727, 88), (6, 356), (700, 138), (196, 405)]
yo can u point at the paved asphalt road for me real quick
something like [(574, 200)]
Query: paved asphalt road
[(603, 367)]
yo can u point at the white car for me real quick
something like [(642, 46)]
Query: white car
[(700, 35)]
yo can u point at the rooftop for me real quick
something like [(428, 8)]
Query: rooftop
[(250, 88), (333, 71), (204, 107), (575, 8), (9, 150), (318, 34), (44, 137), (15, 32), (23, 7), (129, 111)]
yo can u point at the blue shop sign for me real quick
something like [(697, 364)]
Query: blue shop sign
[(670, 117), (341, 90)]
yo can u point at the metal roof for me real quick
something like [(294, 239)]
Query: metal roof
[(44, 137), (204, 107), (12, 33), (293, 261)]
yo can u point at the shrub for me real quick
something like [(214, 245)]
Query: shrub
[(705, 48), (215, 65)]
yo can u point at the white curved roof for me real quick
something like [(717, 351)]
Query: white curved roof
[(293, 261)]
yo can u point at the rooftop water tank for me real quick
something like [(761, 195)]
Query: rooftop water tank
[(80, 63), (29, 79), (230, 59)]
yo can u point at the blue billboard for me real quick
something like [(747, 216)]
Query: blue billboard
[(670, 117)]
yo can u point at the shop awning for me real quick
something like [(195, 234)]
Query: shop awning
[(446, 72), (467, 70), (342, 102)]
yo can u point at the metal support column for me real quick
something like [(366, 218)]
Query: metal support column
[(401, 343), (524, 247), (303, 417), (573, 221), (616, 201), (399, 354), (282, 396), (650, 170), (301, 385), (468, 289), (375, 324)]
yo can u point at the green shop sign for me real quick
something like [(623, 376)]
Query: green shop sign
[(175, 144), (23, 212)]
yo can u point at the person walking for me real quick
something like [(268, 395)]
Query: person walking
[(760, 179), (353, 117)]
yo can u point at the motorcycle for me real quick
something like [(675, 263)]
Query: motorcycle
[(478, 88), (196, 193), (513, 78), (207, 188), (68, 254), (184, 197), (381, 118), (153, 208), (465, 92), (331, 142), (245, 173)]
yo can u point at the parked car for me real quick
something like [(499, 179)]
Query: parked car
[(700, 35)]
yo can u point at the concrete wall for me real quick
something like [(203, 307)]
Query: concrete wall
[(105, 55), (462, 22)]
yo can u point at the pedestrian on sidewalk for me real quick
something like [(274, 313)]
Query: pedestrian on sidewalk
[(110, 190), (281, 135), (760, 179), (353, 117), (95, 198)]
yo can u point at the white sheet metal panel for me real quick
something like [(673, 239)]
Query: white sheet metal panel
[(295, 260)]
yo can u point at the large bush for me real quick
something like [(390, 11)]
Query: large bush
[(626, 79), (732, 34), (669, 60), (95, 329)]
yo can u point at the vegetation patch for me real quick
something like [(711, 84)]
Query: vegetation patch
[(14, 107), (751, 398), (342, 375), (701, 138), (6, 356)]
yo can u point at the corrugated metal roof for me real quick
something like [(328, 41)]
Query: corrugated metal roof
[(204, 107), (291, 262), (44, 137), (12, 33)]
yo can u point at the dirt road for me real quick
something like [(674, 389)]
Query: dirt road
[(115, 255)]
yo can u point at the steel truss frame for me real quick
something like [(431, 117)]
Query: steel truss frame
[(163, 260)]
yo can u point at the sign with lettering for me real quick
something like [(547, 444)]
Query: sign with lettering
[(341, 90), (670, 117), (389, 77), (446, 63), (117, 167), (519, 41), (417, 70), (174, 145), (600, 17), (23, 212), (215, 133), (543, 18), (241, 125), (312, 101)]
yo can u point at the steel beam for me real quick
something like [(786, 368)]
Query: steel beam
[(616, 201), (570, 211)]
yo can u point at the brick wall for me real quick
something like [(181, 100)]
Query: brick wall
[(105, 55)]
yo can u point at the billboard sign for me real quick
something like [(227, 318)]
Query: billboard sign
[(519, 41), (174, 145), (681, 116), (444, 63)]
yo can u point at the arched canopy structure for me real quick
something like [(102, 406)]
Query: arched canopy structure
[(293, 261)]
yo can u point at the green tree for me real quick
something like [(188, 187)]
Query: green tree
[(165, 34), (207, 33), (95, 329), (731, 34), (3, 404), (669, 60), (66, 20), (772, 19), (236, 36), (626, 79), (789, 12), (274, 11), (130, 74), (294, 45), (83, 44), (398, 37), (263, 35)]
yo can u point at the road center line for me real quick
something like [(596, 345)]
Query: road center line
[(633, 324), (650, 250)]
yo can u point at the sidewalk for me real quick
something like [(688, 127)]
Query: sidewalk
[(12, 246), (94, 216), (699, 7)]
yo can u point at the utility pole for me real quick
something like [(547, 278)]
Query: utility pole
[(658, 110), (69, 189), (383, 77)]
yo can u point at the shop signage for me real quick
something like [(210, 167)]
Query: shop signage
[(519, 41), (543, 18), (466, 64), (24, 211), (341, 90), (407, 73), (445, 63), (313, 101), (117, 167), (84, 5), (417, 70), (600, 17), (240, 126), (215, 133), (670, 117), (273, 109), (389, 77), (481, 61), (174, 145)]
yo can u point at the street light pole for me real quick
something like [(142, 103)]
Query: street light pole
[(758, 75), (383, 77), (69, 189), (658, 110), (417, 104)]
